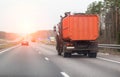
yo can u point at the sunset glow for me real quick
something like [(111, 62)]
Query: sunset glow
[(27, 16)]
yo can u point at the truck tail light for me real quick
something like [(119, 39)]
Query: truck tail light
[(69, 44)]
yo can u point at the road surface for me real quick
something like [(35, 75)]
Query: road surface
[(39, 60)]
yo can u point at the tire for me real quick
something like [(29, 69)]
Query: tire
[(69, 54), (92, 55), (59, 52), (85, 54), (65, 54)]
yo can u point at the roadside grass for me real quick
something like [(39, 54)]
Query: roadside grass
[(110, 51), (8, 45), (2, 41)]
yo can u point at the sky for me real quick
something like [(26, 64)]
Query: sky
[(26, 16)]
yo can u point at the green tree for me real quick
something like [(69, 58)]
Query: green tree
[(112, 3), (95, 8), (109, 11)]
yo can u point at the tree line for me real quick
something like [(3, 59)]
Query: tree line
[(109, 14)]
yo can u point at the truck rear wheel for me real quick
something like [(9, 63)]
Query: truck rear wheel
[(92, 55), (65, 54), (85, 54), (59, 51)]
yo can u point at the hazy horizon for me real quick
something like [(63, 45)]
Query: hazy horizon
[(25, 33), (26, 16)]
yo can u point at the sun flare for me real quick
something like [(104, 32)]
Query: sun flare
[(27, 28)]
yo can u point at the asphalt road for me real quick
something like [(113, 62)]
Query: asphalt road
[(39, 60)]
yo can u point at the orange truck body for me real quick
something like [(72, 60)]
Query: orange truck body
[(80, 27)]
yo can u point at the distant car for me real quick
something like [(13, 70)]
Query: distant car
[(33, 40), (25, 43)]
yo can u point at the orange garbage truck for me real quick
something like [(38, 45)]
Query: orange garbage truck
[(77, 33)]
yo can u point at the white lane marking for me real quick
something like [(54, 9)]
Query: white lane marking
[(46, 58), (8, 49), (64, 74), (108, 60)]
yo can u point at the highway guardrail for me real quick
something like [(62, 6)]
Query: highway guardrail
[(114, 46)]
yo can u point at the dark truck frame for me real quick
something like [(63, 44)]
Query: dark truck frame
[(87, 48), (67, 47)]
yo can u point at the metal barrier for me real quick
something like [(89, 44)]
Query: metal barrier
[(114, 46)]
